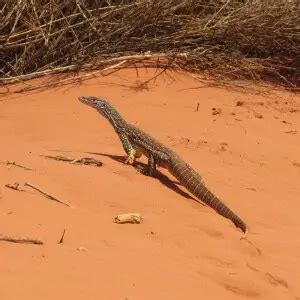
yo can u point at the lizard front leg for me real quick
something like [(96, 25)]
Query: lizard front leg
[(130, 151)]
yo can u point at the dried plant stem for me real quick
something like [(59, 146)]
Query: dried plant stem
[(69, 80), (225, 40), (83, 160), (14, 186), (62, 237), (70, 68), (13, 163), (20, 240), (45, 194)]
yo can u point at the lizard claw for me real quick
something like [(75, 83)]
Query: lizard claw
[(129, 161), (145, 172)]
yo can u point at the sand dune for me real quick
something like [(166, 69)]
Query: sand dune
[(245, 146)]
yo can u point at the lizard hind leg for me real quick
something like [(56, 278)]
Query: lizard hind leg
[(151, 167)]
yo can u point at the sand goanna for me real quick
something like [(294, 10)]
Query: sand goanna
[(137, 143)]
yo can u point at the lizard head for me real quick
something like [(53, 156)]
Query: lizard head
[(102, 106), (93, 101)]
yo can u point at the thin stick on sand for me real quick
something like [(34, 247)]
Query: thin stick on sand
[(14, 186), (20, 240), (13, 163), (83, 160), (62, 237), (46, 194)]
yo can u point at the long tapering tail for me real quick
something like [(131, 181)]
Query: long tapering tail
[(191, 180)]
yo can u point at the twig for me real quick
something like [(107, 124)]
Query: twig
[(216, 14), (88, 66), (58, 157), (87, 161), (83, 160), (20, 78), (14, 186), (144, 84), (45, 194), (62, 237), (17, 165), (70, 80), (38, 21), (85, 16), (20, 240), (291, 131)]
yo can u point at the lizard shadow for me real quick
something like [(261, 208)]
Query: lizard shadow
[(158, 175)]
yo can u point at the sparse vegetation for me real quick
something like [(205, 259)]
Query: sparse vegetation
[(224, 40)]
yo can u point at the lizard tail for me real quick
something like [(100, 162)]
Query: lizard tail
[(191, 180)]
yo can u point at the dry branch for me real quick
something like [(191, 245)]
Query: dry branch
[(20, 240), (70, 80), (83, 160), (45, 194), (14, 186), (62, 237), (13, 163)]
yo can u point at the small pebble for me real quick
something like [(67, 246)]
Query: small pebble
[(258, 115), (216, 111)]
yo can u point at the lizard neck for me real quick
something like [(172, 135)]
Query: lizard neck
[(115, 119)]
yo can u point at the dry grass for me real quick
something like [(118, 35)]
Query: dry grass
[(225, 40)]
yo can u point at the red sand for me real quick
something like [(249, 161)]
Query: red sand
[(248, 155)]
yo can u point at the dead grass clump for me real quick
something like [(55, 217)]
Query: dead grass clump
[(238, 39)]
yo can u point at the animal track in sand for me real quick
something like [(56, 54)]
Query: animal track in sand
[(272, 279), (220, 262), (276, 280), (242, 289)]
